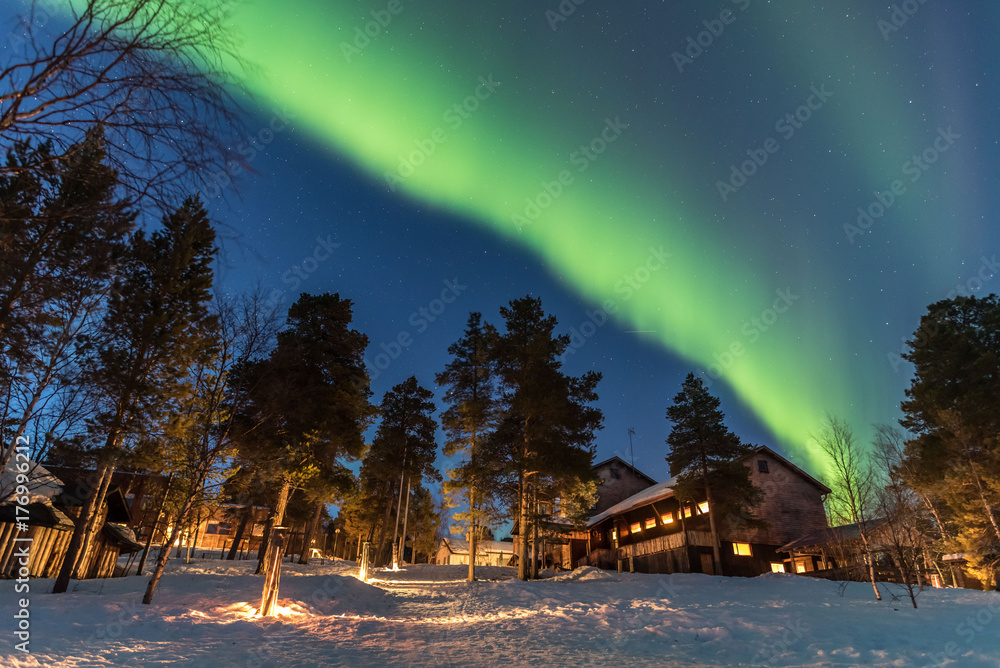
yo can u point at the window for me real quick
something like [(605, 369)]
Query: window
[(668, 518), (777, 566), (624, 531), (219, 528), (703, 507), (800, 566), (615, 473), (741, 549), (636, 527), (687, 511), (614, 534), (762, 465), (651, 523)]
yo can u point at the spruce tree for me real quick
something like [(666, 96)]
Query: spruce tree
[(706, 458)]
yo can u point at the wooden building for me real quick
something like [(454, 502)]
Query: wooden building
[(652, 532), (50, 520), (452, 551), (618, 481)]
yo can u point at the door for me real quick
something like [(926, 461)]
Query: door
[(707, 564)]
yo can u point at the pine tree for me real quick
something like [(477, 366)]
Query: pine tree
[(405, 444), (308, 410), (468, 421), (951, 412), (706, 458), (157, 325), (547, 419)]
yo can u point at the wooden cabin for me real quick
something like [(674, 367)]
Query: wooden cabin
[(455, 551), (50, 520), (652, 532)]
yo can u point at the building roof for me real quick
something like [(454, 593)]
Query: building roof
[(35, 514), (657, 492), (461, 546), (122, 537), (664, 490), (624, 463)]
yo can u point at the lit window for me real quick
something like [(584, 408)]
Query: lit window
[(668, 518), (636, 528), (614, 534), (651, 523), (703, 507), (687, 511), (741, 549), (777, 567), (800, 567)]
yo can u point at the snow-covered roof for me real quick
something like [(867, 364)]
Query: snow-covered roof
[(42, 485), (657, 492), (461, 546)]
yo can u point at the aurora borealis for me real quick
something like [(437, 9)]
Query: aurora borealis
[(755, 190)]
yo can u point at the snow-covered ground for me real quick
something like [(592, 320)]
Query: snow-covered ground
[(203, 615)]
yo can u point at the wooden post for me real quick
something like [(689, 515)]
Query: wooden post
[(363, 567), (273, 573)]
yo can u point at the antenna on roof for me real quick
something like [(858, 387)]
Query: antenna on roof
[(631, 454)]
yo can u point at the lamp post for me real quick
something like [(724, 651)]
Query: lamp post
[(336, 537)]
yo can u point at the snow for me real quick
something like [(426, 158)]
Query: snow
[(426, 615)]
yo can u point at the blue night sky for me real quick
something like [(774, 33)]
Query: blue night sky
[(813, 174)]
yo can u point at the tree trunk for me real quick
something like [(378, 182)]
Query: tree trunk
[(395, 526), (406, 516), (156, 523), (161, 563), (473, 547), (310, 532), (536, 556), (276, 518), (76, 542), (522, 557), (93, 526), (240, 532), (716, 550)]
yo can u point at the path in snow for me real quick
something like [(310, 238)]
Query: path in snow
[(429, 616)]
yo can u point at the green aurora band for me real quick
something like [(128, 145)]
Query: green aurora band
[(380, 101)]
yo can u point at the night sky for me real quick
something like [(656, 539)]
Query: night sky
[(768, 194)]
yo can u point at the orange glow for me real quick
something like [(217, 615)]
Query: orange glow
[(668, 518), (742, 549), (636, 528), (651, 523), (703, 507)]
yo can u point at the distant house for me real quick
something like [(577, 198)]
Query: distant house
[(455, 551), (652, 532)]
